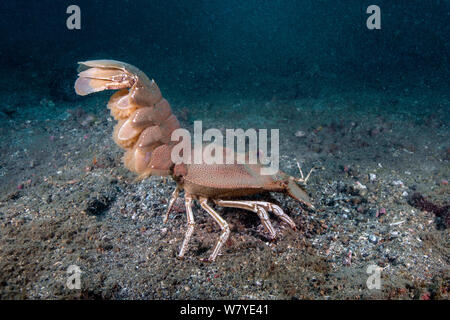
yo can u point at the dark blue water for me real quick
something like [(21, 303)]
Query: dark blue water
[(199, 47)]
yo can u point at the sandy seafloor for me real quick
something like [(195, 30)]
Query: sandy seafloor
[(65, 198)]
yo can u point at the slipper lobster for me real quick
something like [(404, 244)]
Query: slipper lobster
[(144, 130)]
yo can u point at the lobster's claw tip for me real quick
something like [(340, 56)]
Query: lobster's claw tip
[(297, 192)]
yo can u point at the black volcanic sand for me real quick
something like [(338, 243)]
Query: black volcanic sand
[(65, 199)]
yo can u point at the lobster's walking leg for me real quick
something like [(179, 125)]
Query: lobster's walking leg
[(276, 210), (256, 206), (262, 214), (190, 226), (172, 200), (223, 225)]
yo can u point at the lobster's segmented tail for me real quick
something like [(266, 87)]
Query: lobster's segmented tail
[(145, 119)]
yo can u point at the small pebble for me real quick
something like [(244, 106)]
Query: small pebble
[(362, 189), (89, 119), (300, 134), (360, 186), (397, 183), (396, 223), (373, 239), (381, 212)]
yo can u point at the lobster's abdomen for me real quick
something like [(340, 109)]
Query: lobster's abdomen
[(145, 119)]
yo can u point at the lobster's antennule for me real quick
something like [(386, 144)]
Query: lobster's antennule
[(302, 178)]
